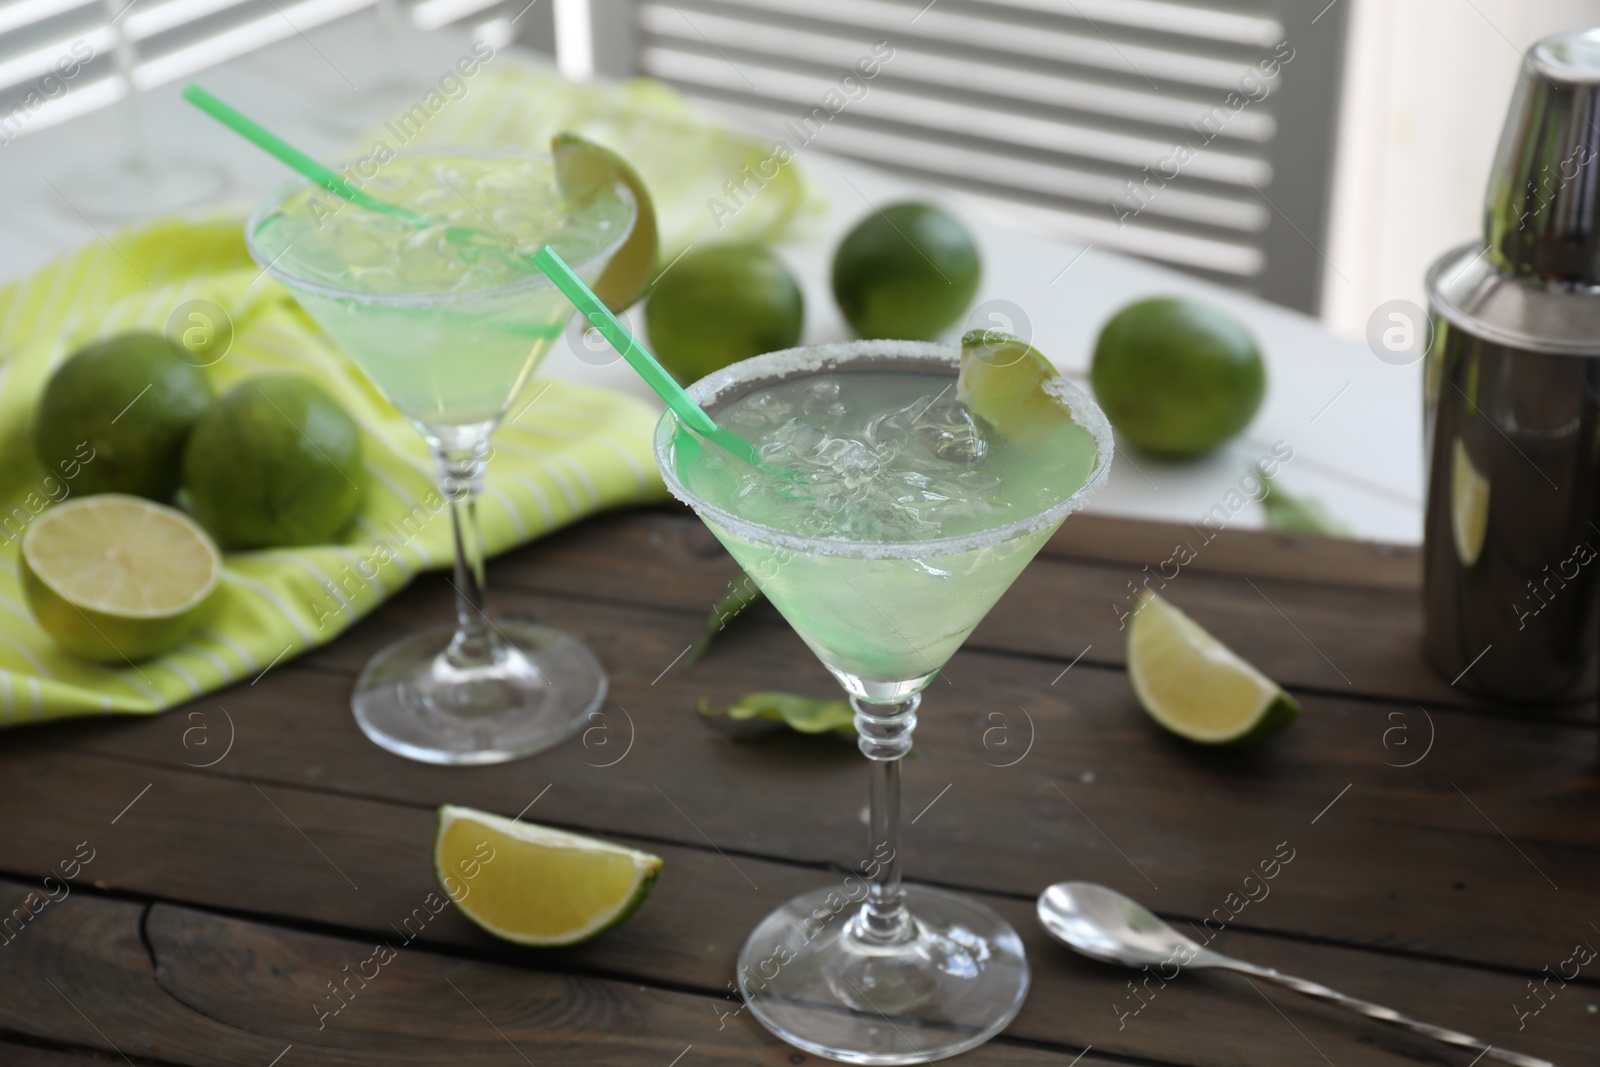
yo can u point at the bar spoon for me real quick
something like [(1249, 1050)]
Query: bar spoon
[(1103, 924)]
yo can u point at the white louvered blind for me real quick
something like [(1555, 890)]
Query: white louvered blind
[(1047, 109), (60, 58)]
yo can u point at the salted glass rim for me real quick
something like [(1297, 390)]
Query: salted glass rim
[(794, 362), (535, 279)]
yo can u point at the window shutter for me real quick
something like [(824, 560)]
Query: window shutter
[(58, 58), (1068, 116)]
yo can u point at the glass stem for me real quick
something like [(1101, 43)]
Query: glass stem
[(126, 59), (460, 481), (885, 736)]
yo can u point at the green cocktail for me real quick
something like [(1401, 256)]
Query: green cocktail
[(449, 320), (885, 522), (881, 456), (449, 327)]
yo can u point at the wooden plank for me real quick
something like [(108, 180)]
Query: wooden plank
[(15, 1055), (1529, 773), (1101, 794), (687, 935), (1299, 557), (1303, 629), (174, 985)]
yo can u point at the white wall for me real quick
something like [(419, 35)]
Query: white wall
[(1427, 83)]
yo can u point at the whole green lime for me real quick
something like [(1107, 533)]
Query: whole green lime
[(722, 304), (114, 417), (907, 272), (275, 462), (1177, 377)]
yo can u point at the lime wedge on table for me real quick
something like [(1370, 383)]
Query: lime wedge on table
[(1196, 686), (582, 167), (117, 578), (534, 885)]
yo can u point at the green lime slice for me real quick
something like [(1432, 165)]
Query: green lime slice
[(1002, 381), (117, 578), (583, 167), (534, 885), (1012, 387), (1196, 686)]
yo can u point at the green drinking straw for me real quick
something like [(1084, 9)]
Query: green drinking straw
[(654, 374), (264, 138), (326, 177)]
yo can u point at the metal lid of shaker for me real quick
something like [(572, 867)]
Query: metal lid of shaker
[(1540, 213), (1533, 281)]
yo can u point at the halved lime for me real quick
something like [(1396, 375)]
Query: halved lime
[(583, 167), (1196, 686), (117, 578), (534, 885)]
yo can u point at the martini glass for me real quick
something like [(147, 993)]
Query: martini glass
[(449, 328), (870, 970)]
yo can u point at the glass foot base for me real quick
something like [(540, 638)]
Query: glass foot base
[(133, 189), (537, 692), (811, 981)]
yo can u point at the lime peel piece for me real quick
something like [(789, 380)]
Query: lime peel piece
[(799, 713)]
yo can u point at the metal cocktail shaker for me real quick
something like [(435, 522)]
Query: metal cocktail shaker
[(1512, 402)]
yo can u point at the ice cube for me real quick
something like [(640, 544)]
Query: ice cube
[(791, 445), (950, 432), (821, 397)]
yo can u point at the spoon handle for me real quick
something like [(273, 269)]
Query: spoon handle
[(1379, 1012)]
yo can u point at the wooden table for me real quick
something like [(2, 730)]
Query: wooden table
[(253, 848)]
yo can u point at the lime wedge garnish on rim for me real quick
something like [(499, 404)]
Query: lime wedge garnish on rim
[(117, 578), (534, 885), (1196, 686), (1013, 387), (1002, 381), (583, 167)]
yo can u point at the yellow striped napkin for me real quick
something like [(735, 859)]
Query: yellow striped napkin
[(566, 451), (570, 451)]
